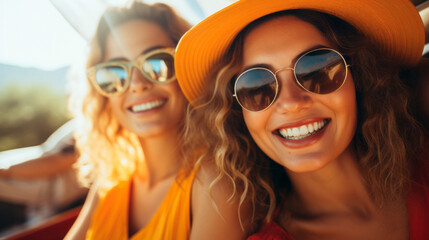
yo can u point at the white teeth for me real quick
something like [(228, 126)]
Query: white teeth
[(310, 128), (295, 132), (302, 131), (147, 106)]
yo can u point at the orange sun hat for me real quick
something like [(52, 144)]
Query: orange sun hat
[(394, 26)]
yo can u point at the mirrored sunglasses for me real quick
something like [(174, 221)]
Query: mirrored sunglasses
[(113, 78), (320, 71)]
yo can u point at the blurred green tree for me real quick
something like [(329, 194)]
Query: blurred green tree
[(29, 114)]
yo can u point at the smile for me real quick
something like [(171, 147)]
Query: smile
[(303, 131), (148, 106)]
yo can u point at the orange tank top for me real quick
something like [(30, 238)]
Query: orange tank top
[(172, 220)]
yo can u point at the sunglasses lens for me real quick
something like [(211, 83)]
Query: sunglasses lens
[(321, 71), (111, 79), (160, 67), (256, 89)]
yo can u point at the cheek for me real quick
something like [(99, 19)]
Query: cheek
[(346, 99), (350, 99), (346, 110), (256, 124), (179, 109), (115, 104), (180, 101), (253, 122)]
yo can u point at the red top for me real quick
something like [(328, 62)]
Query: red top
[(271, 231), (418, 215), (418, 207)]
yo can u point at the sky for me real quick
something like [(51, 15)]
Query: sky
[(35, 33)]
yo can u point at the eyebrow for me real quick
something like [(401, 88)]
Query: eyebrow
[(143, 52), (152, 48), (269, 66)]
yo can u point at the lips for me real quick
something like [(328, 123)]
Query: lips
[(302, 131)]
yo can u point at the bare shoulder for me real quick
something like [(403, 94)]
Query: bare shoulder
[(208, 183), (81, 225), (207, 173), (216, 212)]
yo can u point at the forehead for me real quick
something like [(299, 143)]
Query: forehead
[(281, 35), (133, 37)]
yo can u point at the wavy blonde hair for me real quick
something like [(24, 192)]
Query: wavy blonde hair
[(109, 152), (215, 124), (387, 138)]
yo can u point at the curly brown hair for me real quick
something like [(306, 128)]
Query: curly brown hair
[(107, 150), (387, 137)]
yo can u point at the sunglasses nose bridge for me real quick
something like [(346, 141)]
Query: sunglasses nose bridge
[(135, 66), (137, 80), (276, 73), (282, 69), (132, 67), (290, 97)]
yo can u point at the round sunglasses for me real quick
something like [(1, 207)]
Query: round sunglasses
[(320, 71), (113, 78)]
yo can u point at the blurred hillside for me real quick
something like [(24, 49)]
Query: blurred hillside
[(20, 76), (33, 103)]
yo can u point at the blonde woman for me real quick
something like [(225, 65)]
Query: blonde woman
[(129, 138)]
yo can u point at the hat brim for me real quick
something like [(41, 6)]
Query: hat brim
[(394, 26)]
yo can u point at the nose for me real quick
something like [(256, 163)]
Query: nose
[(291, 98), (138, 82)]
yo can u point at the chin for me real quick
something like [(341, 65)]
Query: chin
[(304, 164)]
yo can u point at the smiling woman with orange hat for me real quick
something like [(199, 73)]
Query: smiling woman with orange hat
[(316, 87)]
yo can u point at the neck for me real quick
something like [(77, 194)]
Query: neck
[(336, 188), (162, 158)]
